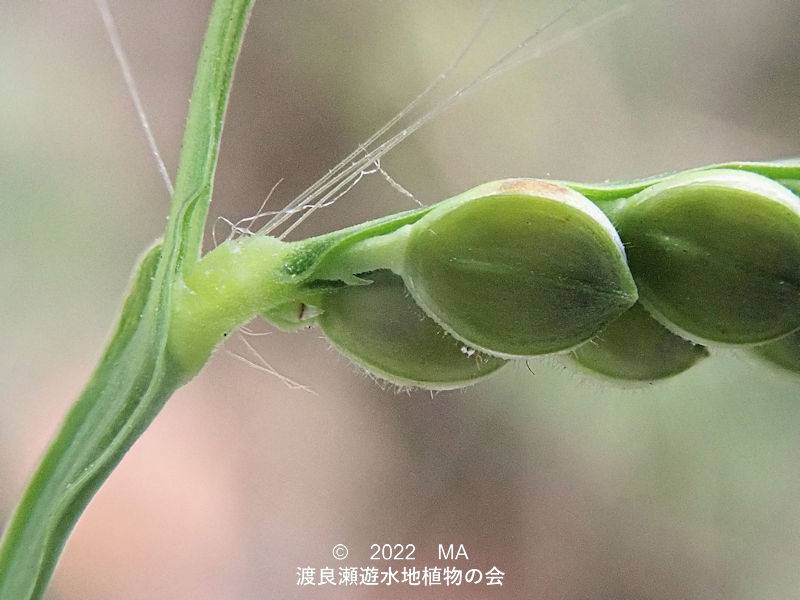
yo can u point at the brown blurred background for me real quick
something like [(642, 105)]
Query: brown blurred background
[(575, 489)]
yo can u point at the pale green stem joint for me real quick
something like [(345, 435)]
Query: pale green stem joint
[(229, 286)]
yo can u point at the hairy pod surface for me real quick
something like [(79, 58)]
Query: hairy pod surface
[(716, 255), (518, 268), (636, 347), (381, 328)]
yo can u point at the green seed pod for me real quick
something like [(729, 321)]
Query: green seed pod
[(636, 347), (716, 255), (784, 353), (518, 268), (381, 328)]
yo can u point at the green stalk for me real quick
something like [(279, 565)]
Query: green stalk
[(136, 374)]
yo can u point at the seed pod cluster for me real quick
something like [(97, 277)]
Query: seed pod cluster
[(716, 255), (636, 347), (381, 328), (511, 269), (523, 267), (716, 259), (526, 268)]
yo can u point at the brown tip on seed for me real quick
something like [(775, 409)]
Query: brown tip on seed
[(529, 186)]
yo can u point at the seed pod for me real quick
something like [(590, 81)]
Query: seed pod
[(381, 328), (784, 353), (518, 268), (716, 255), (636, 347)]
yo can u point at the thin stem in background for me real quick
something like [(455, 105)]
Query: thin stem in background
[(130, 83)]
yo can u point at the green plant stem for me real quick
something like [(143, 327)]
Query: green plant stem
[(605, 195), (227, 287), (136, 374), (209, 101), (248, 276)]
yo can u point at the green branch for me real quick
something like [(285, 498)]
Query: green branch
[(136, 374)]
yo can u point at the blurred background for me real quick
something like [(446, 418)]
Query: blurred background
[(573, 488)]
